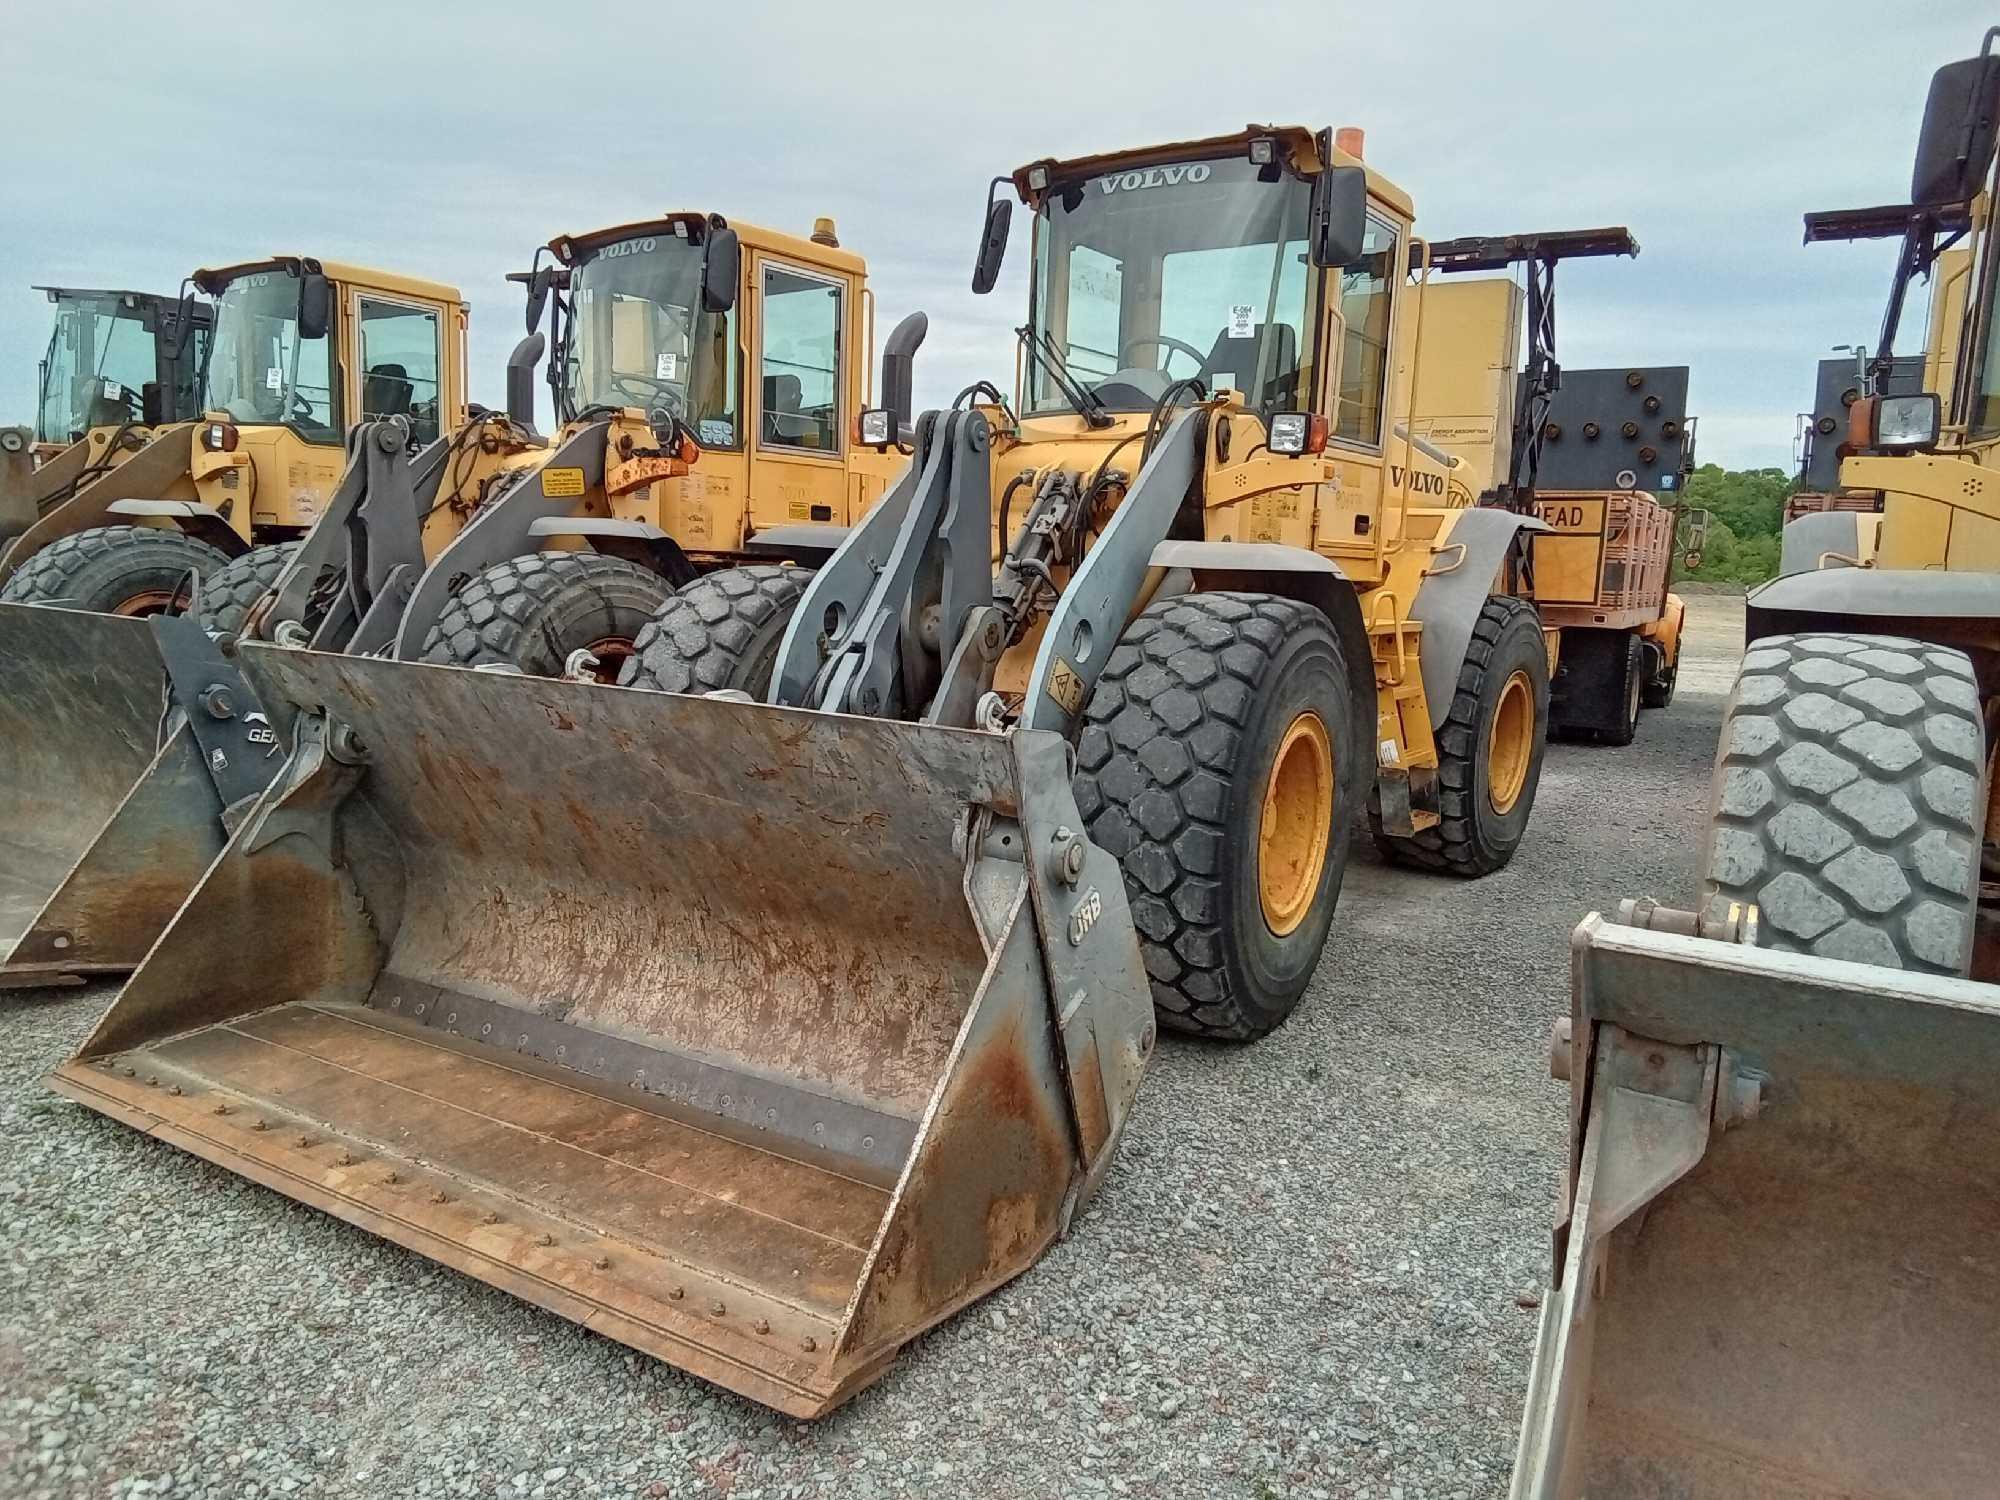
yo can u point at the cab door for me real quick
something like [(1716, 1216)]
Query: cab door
[(1360, 375), (799, 425)]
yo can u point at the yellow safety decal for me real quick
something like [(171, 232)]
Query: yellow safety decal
[(562, 484), (1066, 687)]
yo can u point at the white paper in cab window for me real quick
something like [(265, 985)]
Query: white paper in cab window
[(274, 379), (667, 366), (113, 391), (1242, 320)]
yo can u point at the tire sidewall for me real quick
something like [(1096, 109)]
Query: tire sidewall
[(1267, 972)]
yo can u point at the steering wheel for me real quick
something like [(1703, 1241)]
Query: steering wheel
[(1167, 342), (645, 393), (301, 407)]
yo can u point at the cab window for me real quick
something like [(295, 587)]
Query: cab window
[(399, 365), (800, 361), (1983, 420), (1365, 287)]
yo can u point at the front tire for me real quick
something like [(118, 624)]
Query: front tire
[(1216, 763), (226, 598), (1489, 749), (718, 633), (533, 613), (115, 570), (1849, 800)]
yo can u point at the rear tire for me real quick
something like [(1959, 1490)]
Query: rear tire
[(1849, 800), (226, 598), (1659, 691), (1216, 762), (1631, 691), (113, 570), (1483, 816), (532, 613), (718, 633)]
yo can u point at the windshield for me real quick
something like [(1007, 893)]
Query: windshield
[(638, 337), (1197, 268), (259, 369), (99, 360)]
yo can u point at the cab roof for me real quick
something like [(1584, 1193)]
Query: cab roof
[(1299, 145), (343, 273), (691, 224)]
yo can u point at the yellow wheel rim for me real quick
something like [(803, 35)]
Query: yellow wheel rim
[(1510, 749), (1298, 824)]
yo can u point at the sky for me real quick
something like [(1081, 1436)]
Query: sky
[(449, 142)]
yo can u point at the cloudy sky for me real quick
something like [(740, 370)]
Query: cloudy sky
[(147, 139)]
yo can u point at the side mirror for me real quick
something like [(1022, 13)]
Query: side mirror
[(720, 268), (315, 305), (992, 241), (1339, 217), (539, 282), (521, 381), (1955, 146)]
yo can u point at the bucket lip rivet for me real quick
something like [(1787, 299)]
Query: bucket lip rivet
[(809, 1344), (175, 1091), (674, 1294), (392, 1179), (545, 1238), (602, 1263), (302, 1141), (762, 1325), (489, 1217), (440, 1196), (717, 1308)]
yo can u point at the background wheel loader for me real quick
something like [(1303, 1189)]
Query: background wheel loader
[(762, 1036), (1774, 1274), (112, 836), (706, 378), (118, 364), (299, 348)]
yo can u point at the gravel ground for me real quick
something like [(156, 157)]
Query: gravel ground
[(1300, 1280)]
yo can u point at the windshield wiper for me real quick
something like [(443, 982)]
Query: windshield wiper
[(1089, 405)]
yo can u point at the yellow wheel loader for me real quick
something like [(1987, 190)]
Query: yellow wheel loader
[(647, 310), (706, 378), (299, 348), (1774, 1271), (762, 1036), (118, 364)]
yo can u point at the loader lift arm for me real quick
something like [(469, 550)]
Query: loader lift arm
[(1540, 253)]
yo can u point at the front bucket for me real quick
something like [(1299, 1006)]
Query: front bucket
[(724, 1030), (80, 705), (1780, 1272)]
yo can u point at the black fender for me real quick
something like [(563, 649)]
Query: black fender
[(1451, 596)]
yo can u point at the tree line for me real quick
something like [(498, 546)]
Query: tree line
[(1746, 509)]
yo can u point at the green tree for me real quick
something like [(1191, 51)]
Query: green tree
[(1750, 502)]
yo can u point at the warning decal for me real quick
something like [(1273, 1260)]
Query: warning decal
[(1066, 687), (562, 484)]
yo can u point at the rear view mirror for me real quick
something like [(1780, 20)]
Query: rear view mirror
[(992, 241), (539, 282), (720, 268), (315, 305), (1955, 146), (1339, 220)]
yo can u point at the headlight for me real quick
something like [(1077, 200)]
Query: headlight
[(1906, 421), (219, 438), (878, 427), (1296, 433)]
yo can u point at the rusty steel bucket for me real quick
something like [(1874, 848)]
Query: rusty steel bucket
[(755, 1038), (81, 697), (1778, 1272)]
